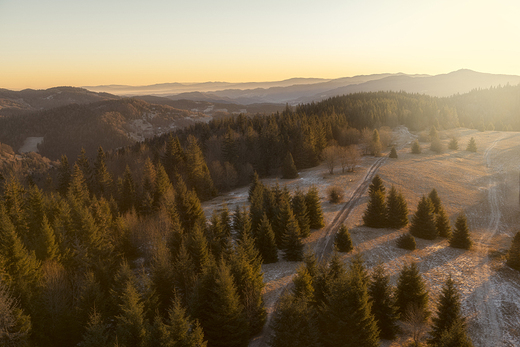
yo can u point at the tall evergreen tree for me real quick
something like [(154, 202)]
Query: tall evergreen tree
[(453, 144), (442, 223), (198, 172), (375, 214), (221, 315), (47, 247), (293, 323), (383, 304), (64, 174), (393, 153), (396, 209), (127, 191), (174, 160), (448, 312), (416, 147), (303, 286), (198, 248), (513, 256), (436, 201), (78, 188), (300, 211), (460, 237), (188, 206), (96, 333), (455, 336), (472, 145), (342, 240), (312, 200), (376, 185), (290, 239), (289, 170), (375, 145), (84, 164), (163, 186), (103, 183), (423, 221), (130, 323), (266, 242), (411, 291)]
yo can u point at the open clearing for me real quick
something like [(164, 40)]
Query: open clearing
[(484, 185)]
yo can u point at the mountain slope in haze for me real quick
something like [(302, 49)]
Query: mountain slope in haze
[(297, 91), (17, 102), (110, 124)]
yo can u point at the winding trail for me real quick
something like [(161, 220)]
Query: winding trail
[(323, 247)]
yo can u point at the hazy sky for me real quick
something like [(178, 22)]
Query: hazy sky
[(45, 43)]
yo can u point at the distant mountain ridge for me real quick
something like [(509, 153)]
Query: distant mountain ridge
[(302, 90)]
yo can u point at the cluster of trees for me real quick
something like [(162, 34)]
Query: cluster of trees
[(330, 305), (436, 145), (428, 222), (281, 221)]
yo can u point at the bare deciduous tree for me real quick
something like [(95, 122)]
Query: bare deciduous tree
[(415, 323), (349, 158), (330, 155)]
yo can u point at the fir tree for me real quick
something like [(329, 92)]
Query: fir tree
[(434, 134), (454, 144), (292, 244), (78, 188), (174, 160), (64, 174), (15, 325), (102, 178), (411, 291), (47, 248), (266, 242), (131, 325), (375, 214), (376, 185), (188, 206), (161, 275), (342, 240), (96, 333), (416, 147), (312, 200), (472, 145), (513, 256), (448, 312), (293, 323), (303, 284), (375, 144), (396, 209), (423, 221), (220, 313), (442, 223), (127, 191), (285, 216), (455, 336), (348, 312), (254, 184), (460, 237), (436, 201), (85, 166), (300, 211), (198, 172), (406, 241), (383, 305), (289, 170), (163, 186), (198, 248), (393, 153)]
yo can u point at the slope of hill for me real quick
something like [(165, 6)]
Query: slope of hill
[(110, 124), (16, 102)]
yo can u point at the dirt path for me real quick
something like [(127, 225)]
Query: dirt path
[(323, 248)]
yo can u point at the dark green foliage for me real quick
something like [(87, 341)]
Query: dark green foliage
[(96, 333), (376, 185), (300, 212), (396, 209), (411, 291), (423, 221), (406, 241), (348, 312), (448, 312), (289, 170), (472, 145), (455, 336), (436, 201), (78, 189), (393, 153), (460, 237), (312, 200), (198, 248), (198, 172), (454, 144), (416, 147), (513, 256), (383, 305), (375, 214), (130, 323), (219, 311), (126, 188), (342, 240), (103, 183), (162, 277), (266, 242), (188, 206), (302, 281), (254, 184), (64, 174), (291, 241), (293, 323), (442, 222)]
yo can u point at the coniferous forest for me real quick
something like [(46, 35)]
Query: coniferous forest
[(112, 247)]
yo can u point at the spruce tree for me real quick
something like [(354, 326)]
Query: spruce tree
[(289, 170), (423, 221), (472, 145), (198, 172), (442, 223), (416, 147), (513, 256), (303, 284), (348, 312), (342, 240), (300, 211), (454, 144), (266, 242), (448, 312), (198, 248), (396, 209), (293, 323), (376, 185), (460, 237), (254, 184), (411, 291), (188, 206), (455, 336), (102, 178), (96, 333), (383, 305), (127, 191), (375, 213), (312, 200), (64, 174), (291, 240), (174, 160), (406, 241), (85, 166), (393, 153), (130, 323), (161, 275), (78, 188), (375, 144), (47, 248), (163, 186), (436, 200), (220, 313)]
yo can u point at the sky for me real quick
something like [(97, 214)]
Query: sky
[(99, 42)]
